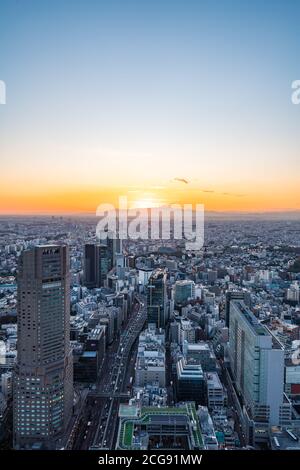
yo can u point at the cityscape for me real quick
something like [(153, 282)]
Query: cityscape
[(149, 232), (143, 345)]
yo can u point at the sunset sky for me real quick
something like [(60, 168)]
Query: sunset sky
[(162, 101)]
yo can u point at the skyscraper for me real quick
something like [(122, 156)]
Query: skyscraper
[(257, 364), (97, 264), (114, 245), (103, 264), (157, 298), (43, 382), (89, 264), (235, 295)]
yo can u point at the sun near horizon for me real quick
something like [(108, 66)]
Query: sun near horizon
[(152, 100)]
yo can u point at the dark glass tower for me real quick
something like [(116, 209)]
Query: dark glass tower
[(156, 298), (97, 264)]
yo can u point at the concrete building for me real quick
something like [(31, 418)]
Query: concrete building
[(175, 332), (257, 365), (292, 382), (150, 362), (207, 429), (6, 384), (190, 383), (88, 365), (144, 275), (114, 245), (202, 353), (184, 290), (235, 295), (187, 331), (215, 392), (293, 293), (43, 383)]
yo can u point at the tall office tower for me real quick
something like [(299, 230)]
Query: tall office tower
[(97, 264), (43, 378), (120, 265), (89, 263), (114, 245), (257, 365), (157, 299), (184, 290), (103, 264), (235, 295)]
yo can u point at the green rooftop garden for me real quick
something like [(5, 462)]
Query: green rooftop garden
[(127, 425), (128, 433)]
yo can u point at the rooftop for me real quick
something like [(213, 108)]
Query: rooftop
[(89, 354), (146, 416), (213, 380), (251, 319)]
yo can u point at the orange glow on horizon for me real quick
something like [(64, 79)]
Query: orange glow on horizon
[(84, 200)]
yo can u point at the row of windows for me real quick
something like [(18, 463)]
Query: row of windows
[(22, 420), (23, 432)]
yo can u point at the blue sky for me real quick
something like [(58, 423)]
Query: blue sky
[(97, 90)]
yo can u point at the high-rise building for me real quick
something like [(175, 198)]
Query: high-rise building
[(103, 264), (257, 365), (157, 298), (97, 264), (114, 245), (90, 279), (235, 295), (43, 377)]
